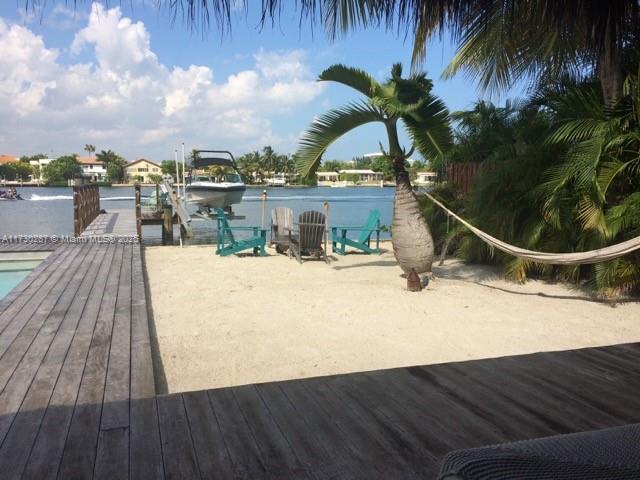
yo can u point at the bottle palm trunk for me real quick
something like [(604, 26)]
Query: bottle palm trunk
[(410, 235)]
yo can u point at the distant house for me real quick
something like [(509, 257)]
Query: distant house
[(41, 163), (92, 169), (426, 178), (7, 159), (326, 179), (365, 176), (140, 170)]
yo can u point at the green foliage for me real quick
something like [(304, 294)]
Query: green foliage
[(384, 166), (62, 168), (424, 116), (155, 178), (17, 171), (114, 164), (560, 174), (168, 167), (28, 158), (350, 177), (257, 165)]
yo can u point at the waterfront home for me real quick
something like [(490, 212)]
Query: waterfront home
[(7, 159), (425, 178), (139, 170), (326, 179), (349, 177), (40, 163), (92, 169)]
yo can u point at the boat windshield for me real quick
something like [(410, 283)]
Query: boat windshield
[(219, 175)]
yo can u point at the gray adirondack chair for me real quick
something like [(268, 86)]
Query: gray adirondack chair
[(281, 226), (308, 239)]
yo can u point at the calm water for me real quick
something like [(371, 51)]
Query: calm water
[(49, 210)]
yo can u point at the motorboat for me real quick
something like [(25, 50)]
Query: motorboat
[(220, 187)]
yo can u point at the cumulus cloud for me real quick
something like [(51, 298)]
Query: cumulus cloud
[(126, 99)]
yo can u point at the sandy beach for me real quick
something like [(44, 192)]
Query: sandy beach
[(238, 320)]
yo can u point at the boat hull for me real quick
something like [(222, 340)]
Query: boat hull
[(215, 196)]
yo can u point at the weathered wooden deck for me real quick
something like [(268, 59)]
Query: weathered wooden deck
[(77, 397)]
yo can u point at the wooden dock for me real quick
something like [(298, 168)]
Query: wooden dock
[(77, 395)]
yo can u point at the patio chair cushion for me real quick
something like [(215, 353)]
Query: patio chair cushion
[(612, 453)]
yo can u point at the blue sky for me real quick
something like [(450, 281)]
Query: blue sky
[(124, 77)]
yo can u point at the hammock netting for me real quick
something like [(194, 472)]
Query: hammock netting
[(576, 258)]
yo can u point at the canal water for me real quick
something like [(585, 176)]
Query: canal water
[(49, 210)]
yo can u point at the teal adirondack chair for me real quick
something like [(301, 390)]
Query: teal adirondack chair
[(340, 240), (227, 243)]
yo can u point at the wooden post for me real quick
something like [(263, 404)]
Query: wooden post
[(138, 212), (157, 197), (76, 212), (325, 207), (167, 225)]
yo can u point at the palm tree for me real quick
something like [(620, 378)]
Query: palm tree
[(425, 120), (89, 148)]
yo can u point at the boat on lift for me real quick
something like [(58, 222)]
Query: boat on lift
[(220, 187)]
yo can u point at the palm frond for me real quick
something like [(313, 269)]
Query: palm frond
[(352, 77), (428, 128), (327, 129)]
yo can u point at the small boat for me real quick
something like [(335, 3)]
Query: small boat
[(10, 194), (221, 187)]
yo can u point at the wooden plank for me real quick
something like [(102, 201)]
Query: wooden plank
[(112, 459), (145, 457), (180, 461), (40, 269), (349, 461), (208, 443), (278, 457), (80, 447), (242, 448), (301, 436), (34, 294), (19, 440), (363, 436), (36, 342), (47, 449)]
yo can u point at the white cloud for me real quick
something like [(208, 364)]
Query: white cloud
[(125, 99)]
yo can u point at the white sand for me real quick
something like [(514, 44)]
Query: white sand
[(231, 321)]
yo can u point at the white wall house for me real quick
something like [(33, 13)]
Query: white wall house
[(426, 178), (41, 163), (365, 176), (92, 169), (326, 179)]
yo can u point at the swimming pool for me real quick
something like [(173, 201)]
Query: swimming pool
[(15, 266)]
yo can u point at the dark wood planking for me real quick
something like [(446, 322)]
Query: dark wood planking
[(344, 458), (241, 445), (145, 458), (80, 447), (112, 460), (366, 439), (210, 448), (300, 435), (417, 433), (179, 455), (47, 450), (28, 280), (23, 307), (33, 342), (19, 440), (275, 451)]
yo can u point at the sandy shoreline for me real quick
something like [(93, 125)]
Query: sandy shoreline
[(237, 320)]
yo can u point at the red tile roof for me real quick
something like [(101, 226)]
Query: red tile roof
[(7, 159), (89, 161)]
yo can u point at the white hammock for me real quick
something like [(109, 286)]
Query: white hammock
[(578, 258)]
